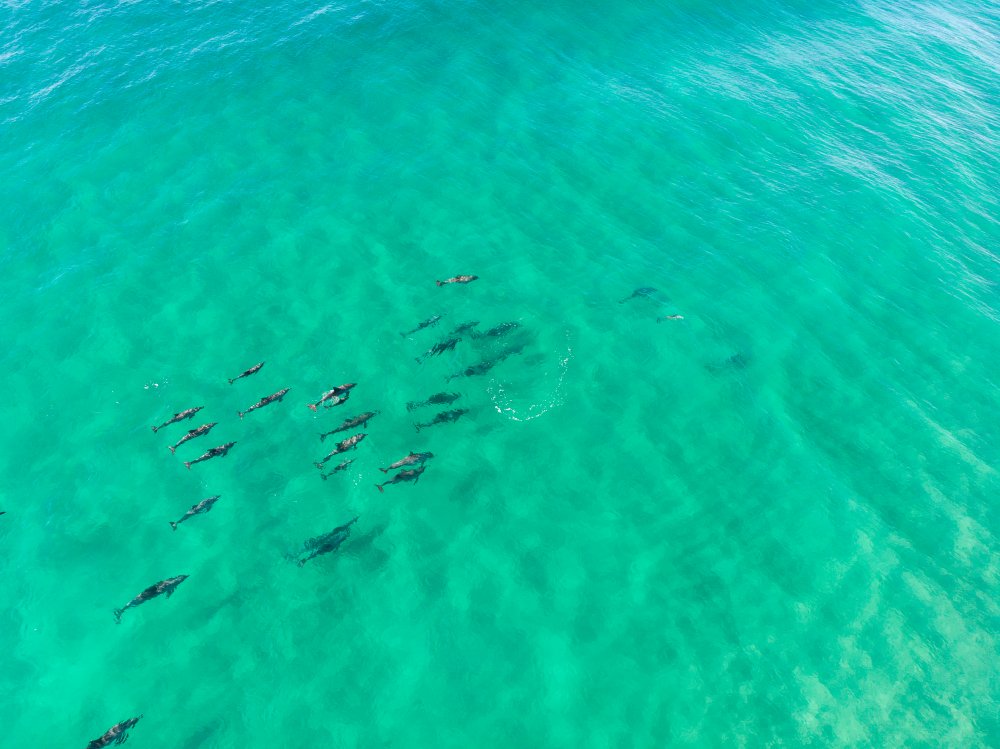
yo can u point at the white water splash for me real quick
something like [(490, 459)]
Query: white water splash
[(504, 402)]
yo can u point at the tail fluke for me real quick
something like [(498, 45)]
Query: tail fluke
[(155, 428), (240, 414), (384, 470), (417, 427), (187, 465), (323, 476), (118, 615), (231, 382), (173, 525), (379, 487), (439, 283), (319, 466), (322, 437), (172, 449)]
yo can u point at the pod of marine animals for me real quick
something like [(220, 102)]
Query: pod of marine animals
[(409, 468)]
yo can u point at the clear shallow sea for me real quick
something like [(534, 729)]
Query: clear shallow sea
[(627, 542)]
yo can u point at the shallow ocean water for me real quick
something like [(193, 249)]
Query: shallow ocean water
[(771, 523)]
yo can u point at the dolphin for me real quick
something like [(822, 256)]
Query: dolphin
[(485, 366), (342, 467), (439, 348), (457, 279), (114, 735), (327, 542), (409, 460), (253, 370), (338, 401), (339, 390), (646, 291), (499, 330), (436, 399), (203, 429), (354, 421), (342, 446), (179, 416), (412, 474), (264, 401), (475, 369), (739, 360), (444, 417), (204, 506), (208, 455), (167, 586), (425, 324), (465, 327)]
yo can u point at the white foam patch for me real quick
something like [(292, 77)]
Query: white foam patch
[(86, 61), (506, 400), (950, 440), (9, 54), (317, 13)]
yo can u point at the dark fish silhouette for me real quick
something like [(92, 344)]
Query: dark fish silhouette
[(409, 460), (444, 417), (167, 586), (339, 390), (457, 279), (410, 475), (114, 735), (253, 370), (203, 429), (439, 348), (499, 330), (485, 366), (264, 401), (739, 360), (354, 421), (180, 416), (204, 506), (344, 446), (476, 369), (465, 327), (342, 467), (327, 542), (646, 291), (436, 399), (214, 452), (425, 324)]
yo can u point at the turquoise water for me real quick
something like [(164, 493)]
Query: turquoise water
[(631, 539)]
